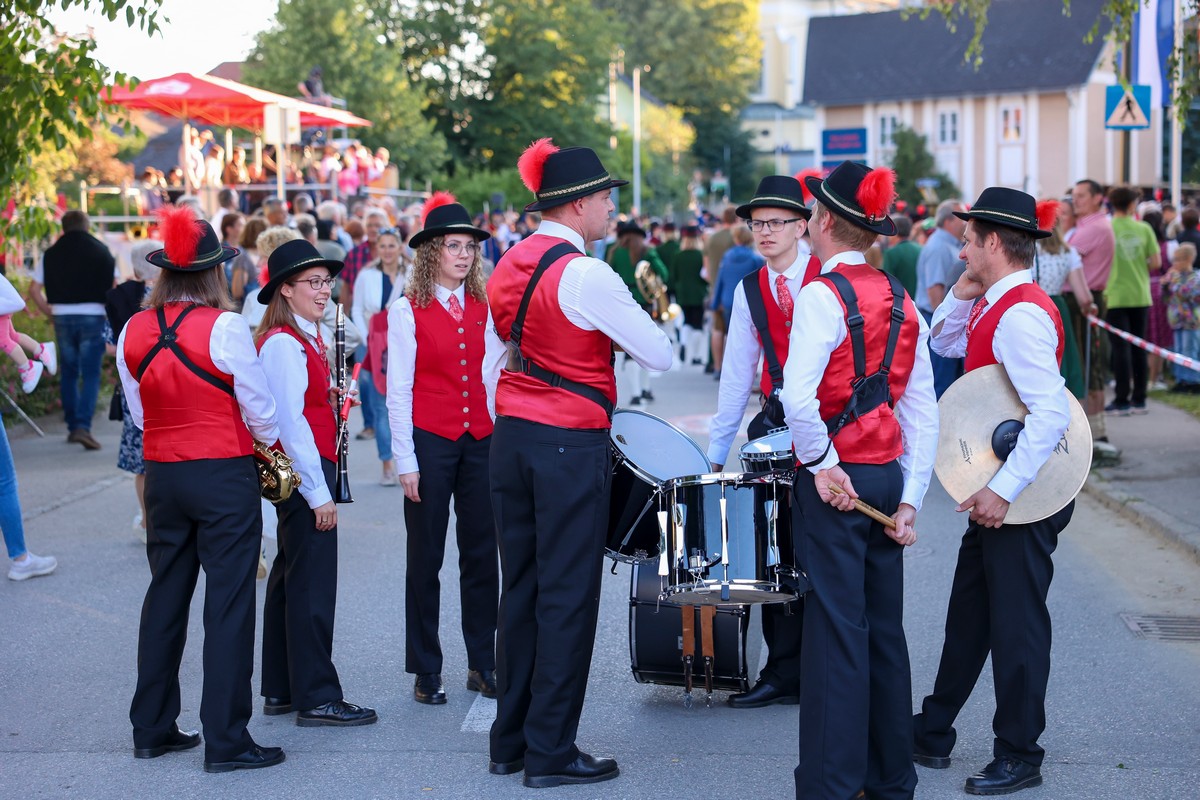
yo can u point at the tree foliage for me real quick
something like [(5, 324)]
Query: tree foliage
[(347, 40), (50, 98), (913, 162)]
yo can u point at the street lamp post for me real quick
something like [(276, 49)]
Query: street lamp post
[(637, 137)]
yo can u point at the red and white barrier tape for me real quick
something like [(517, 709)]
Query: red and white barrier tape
[(1169, 355)]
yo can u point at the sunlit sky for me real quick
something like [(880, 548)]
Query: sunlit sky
[(199, 35)]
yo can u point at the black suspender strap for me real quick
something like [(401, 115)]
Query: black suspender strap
[(885, 366), (854, 321), (533, 369), (168, 340), (758, 315)]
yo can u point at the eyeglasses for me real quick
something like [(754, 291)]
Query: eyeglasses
[(454, 248), (316, 284), (773, 225)]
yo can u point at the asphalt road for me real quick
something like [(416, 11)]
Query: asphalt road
[(1124, 712)]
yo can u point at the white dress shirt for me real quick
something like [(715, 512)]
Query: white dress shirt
[(821, 330), (402, 368), (286, 366), (369, 299), (1025, 343), (231, 349), (743, 351)]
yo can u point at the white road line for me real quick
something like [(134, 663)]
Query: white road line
[(479, 719), (78, 494)]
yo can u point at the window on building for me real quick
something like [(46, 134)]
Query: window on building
[(948, 128), (887, 130), (1011, 124)]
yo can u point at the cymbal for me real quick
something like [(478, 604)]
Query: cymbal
[(981, 416)]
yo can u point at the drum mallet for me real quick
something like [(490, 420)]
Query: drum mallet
[(872, 512)]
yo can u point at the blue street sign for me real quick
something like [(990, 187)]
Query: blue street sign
[(1127, 109), (844, 142)]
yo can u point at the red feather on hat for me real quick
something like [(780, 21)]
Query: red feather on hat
[(436, 200), (1047, 213), (264, 274), (876, 192), (811, 172), (181, 234), (533, 161)]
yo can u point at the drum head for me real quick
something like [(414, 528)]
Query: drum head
[(654, 448), (771, 444)]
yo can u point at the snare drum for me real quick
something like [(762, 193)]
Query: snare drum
[(771, 452), (647, 451), (730, 542)]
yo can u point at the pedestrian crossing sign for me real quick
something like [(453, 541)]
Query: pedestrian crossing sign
[(1125, 107)]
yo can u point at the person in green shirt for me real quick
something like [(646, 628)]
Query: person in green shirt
[(900, 259), (668, 245), (1135, 252), (690, 291), (630, 251)]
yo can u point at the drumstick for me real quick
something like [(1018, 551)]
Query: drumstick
[(870, 511)]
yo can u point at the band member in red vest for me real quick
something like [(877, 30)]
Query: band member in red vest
[(778, 218), (559, 312), (997, 314), (297, 661), (858, 395), (195, 387), (438, 334)]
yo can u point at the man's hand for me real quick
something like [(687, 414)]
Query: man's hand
[(409, 482), (967, 289), (326, 516), (905, 517), (838, 476), (987, 508)]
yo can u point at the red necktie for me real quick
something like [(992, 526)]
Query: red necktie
[(976, 313), (320, 344), (783, 296), (455, 308)]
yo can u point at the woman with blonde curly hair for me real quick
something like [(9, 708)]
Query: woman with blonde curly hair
[(443, 348)]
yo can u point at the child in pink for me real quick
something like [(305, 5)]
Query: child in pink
[(16, 345)]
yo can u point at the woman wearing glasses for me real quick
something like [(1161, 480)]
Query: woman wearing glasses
[(442, 350), (375, 289), (297, 657)]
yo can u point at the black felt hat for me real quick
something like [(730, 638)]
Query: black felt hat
[(630, 227), (859, 194), (1010, 208), (443, 216), (291, 258), (189, 244), (777, 191), (557, 176)]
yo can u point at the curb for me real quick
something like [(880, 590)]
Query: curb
[(1144, 514)]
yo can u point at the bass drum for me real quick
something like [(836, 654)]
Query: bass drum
[(646, 452)]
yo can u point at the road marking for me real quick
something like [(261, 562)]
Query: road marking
[(71, 497), (479, 719)]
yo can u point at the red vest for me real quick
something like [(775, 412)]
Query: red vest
[(318, 412), (186, 418), (979, 346), (549, 339), (449, 369), (779, 327), (875, 437)]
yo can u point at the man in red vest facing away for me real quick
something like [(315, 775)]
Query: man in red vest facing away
[(858, 397), (778, 218), (997, 314), (559, 312)]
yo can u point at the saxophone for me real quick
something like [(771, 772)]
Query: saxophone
[(654, 292), (277, 479)]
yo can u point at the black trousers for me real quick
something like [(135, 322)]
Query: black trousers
[(783, 631), (458, 469), (206, 514), (997, 606), (856, 696), (297, 654), (1127, 359), (550, 490)]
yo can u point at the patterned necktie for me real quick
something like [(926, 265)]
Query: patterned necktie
[(455, 308), (783, 296), (321, 349), (976, 313)]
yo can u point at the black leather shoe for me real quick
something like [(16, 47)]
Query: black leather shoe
[(175, 741), (428, 689), (482, 681), (506, 767), (584, 769), (254, 758), (930, 761), (764, 694), (338, 713), (1004, 775), (274, 706)]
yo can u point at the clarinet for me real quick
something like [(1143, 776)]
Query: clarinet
[(341, 490)]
